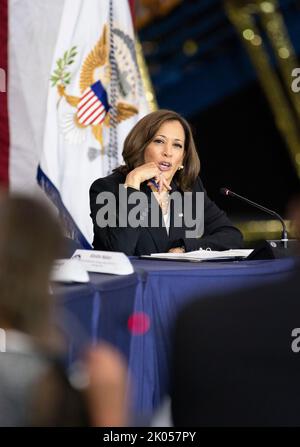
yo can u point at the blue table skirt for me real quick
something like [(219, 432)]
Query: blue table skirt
[(157, 290), (99, 310)]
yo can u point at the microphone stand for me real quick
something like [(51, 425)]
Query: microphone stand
[(282, 248), (284, 233)]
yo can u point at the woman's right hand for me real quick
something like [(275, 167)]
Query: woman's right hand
[(145, 172)]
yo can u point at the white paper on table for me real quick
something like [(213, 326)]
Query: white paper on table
[(115, 263), (203, 255), (69, 270)]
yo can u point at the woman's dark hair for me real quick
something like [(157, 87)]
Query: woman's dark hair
[(30, 240), (143, 133)]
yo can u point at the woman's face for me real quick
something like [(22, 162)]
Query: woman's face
[(167, 148)]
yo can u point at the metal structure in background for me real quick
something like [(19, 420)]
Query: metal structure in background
[(257, 21), (149, 10), (195, 43), (145, 12), (147, 83)]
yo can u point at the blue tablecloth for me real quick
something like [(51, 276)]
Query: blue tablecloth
[(99, 310), (157, 290)]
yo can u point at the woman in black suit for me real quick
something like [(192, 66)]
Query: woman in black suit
[(160, 160)]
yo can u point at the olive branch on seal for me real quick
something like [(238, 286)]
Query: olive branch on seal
[(60, 74)]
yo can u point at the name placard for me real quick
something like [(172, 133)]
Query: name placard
[(111, 262), (69, 270)]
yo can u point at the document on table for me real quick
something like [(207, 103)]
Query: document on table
[(202, 255)]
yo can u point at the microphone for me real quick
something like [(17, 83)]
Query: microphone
[(284, 234)]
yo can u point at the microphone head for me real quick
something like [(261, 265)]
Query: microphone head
[(225, 191)]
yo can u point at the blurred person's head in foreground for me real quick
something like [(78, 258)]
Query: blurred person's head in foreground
[(34, 388), (30, 240)]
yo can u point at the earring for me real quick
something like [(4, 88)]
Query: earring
[(180, 167)]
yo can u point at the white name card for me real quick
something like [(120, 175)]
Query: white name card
[(69, 270), (111, 262)]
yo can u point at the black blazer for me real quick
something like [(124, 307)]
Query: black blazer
[(233, 362), (219, 233)]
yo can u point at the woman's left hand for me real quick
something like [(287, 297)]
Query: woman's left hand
[(177, 250)]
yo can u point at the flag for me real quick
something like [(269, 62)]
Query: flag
[(28, 31), (93, 105), (95, 97), (4, 132)]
